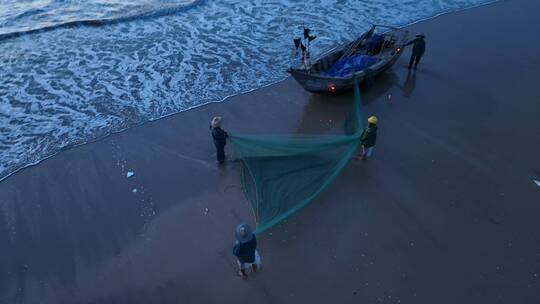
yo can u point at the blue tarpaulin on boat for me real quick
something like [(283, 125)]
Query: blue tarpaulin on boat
[(347, 66)]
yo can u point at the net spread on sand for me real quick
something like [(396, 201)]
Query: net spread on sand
[(282, 173)]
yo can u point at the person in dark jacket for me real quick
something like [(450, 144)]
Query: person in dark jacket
[(419, 47), (375, 44), (369, 137), (245, 250), (220, 138)]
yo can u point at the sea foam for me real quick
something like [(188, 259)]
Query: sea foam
[(69, 85)]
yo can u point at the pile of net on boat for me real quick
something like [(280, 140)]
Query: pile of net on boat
[(347, 66), (282, 173)]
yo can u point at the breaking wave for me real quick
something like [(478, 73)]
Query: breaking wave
[(137, 12)]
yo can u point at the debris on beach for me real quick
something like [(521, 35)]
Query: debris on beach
[(130, 174), (536, 182), (206, 210), (134, 190)]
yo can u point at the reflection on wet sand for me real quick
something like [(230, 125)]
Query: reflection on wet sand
[(327, 114), (409, 84)]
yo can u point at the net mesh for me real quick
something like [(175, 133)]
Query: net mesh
[(280, 174)]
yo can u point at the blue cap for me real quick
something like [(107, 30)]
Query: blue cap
[(243, 233)]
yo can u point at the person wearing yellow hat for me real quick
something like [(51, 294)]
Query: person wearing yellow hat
[(369, 137), (220, 138)]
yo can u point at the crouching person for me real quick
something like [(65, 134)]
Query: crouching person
[(245, 250)]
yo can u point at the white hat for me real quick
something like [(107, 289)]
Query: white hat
[(216, 122)]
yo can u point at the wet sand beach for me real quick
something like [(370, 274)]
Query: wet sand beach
[(446, 210)]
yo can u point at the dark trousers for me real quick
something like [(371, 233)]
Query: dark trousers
[(220, 153), (415, 59)]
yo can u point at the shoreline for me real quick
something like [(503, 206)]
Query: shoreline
[(489, 2)]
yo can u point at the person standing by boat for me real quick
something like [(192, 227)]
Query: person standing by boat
[(245, 250), (220, 138), (369, 138), (419, 47)]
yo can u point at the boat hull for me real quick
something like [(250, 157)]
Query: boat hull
[(317, 83)]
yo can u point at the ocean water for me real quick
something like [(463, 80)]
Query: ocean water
[(73, 71)]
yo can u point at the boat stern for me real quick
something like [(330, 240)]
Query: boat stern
[(317, 84)]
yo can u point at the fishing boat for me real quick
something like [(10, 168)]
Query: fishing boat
[(372, 53)]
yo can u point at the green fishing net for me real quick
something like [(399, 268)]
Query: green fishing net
[(280, 174)]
